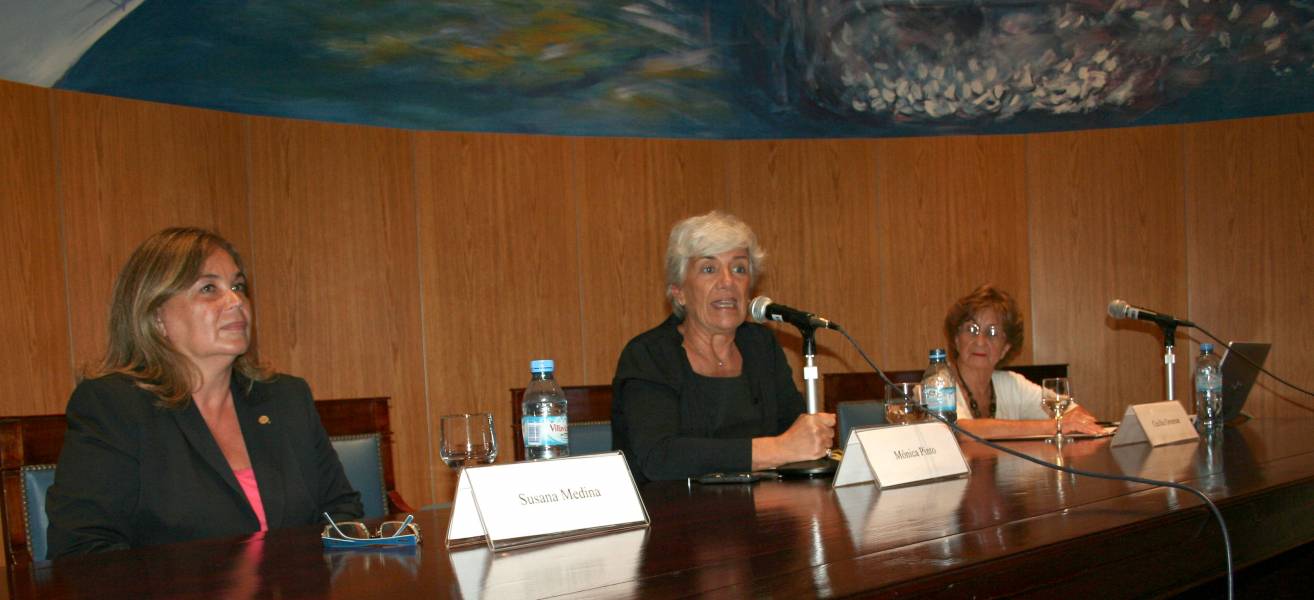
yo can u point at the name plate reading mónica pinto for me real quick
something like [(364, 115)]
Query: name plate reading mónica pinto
[(536, 502), (900, 455), (1159, 423)]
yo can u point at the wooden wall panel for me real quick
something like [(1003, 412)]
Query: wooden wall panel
[(952, 214), (1249, 220), (363, 242), (335, 271), (811, 204), (630, 193), (36, 376), (1106, 222), (127, 170), (500, 272)]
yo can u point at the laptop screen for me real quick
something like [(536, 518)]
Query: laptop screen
[(1239, 374)]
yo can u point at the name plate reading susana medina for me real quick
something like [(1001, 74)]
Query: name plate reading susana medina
[(535, 502), (900, 455), (1159, 423)]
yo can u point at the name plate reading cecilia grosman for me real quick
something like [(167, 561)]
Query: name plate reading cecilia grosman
[(535, 502), (1159, 423), (900, 455)]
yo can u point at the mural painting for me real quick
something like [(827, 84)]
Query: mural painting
[(726, 69)]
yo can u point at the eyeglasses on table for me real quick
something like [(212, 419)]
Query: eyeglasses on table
[(354, 534)]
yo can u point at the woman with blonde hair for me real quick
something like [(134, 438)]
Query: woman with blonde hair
[(179, 433)]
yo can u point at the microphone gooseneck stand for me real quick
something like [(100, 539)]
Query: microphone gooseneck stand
[(824, 465), (1169, 340), (810, 366)]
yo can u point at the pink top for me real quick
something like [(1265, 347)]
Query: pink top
[(246, 478)]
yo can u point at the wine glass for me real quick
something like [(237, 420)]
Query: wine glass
[(1056, 398), (902, 403), (467, 439)]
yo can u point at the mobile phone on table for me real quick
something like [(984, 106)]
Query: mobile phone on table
[(715, 478)]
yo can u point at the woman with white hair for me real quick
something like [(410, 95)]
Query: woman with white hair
[(705, 391)]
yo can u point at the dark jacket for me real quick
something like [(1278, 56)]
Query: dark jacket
[(669, 430), (132, 473)]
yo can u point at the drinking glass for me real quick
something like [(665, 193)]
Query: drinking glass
[(1056, 398), (903, 403), (467, 439)]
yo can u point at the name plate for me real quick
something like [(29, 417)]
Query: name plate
[(1159, 423), (900, 455), (526, 503)]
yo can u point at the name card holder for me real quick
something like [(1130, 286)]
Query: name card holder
[(1159, 423), (900, 455), (537, 502)]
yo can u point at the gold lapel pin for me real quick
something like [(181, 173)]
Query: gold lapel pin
[(263, 420)]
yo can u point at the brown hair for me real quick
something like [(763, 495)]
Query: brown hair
[(163, 266), (981, 298)]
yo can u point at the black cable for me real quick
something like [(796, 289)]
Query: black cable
[(1253, 363), (1227, 540)]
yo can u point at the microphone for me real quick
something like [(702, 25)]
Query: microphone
[(1121, 310), (762, 309)]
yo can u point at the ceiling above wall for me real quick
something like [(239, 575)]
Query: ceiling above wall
[(704, 68)]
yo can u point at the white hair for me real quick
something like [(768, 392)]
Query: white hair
[(708, 235)]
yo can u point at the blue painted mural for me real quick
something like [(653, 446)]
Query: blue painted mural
[(715, 69)]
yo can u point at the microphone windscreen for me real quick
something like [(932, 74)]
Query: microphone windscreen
[(757, 309), (1118, 309)]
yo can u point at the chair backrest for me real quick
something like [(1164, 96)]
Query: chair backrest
[(29, 449), (849, 387), (361, 433), (30, 445), (859, 413), (589, 438), (588, 408), (362, 460)]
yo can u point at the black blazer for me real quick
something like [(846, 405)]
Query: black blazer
[(134, 474)]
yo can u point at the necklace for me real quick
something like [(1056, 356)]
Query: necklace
[(710, 354), (971, 400)]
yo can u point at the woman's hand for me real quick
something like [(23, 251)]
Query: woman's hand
[(1079, 420), (810, 437)]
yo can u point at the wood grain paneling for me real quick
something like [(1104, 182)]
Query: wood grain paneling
[(335, 274), (364, 243), (1249, 220), (953, 215), (811, 204), (630, 194), (36, 376), (128, 169), (500, 271), (1106, 222)]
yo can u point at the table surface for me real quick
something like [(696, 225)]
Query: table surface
[(1009, 527)]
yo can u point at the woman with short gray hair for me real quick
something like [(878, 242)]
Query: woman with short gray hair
[(705, 391)]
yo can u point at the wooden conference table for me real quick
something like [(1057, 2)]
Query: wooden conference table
[(1011, 527)]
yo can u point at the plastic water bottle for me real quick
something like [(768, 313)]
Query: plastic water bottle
[(544, 423), (939, 393), (1208, 389)]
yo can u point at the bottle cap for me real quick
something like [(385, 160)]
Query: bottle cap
[(937, 354), (542, 365), (1206, 347)]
